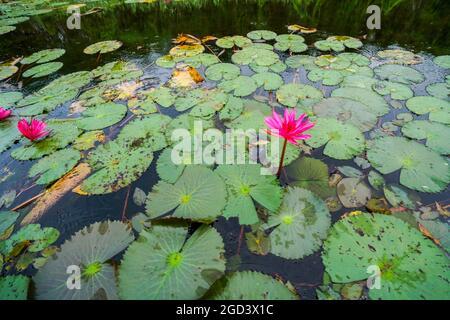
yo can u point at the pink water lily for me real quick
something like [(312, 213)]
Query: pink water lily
[(4, 113), (32, 130), (289, 128)]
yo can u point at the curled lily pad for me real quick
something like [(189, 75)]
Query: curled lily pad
[(163, 264), (352, 192), (101, 116), (252, 116), (294, 94), (233, 41), (268, 80), (421, 168), (241, 86), (62, 133), (252, 54), (375, 104), (250, 285), (438, 109), (299, 226), (88, 249), (443, 61), (103, 47), (398, 73), (54, 166), (43, 56), (43, 70), (199, 194), (328, 77), (436, 134), (396, 90), (439, 90), (346, 111), (245, 184), (225, 71), (342, 141), (14, 287), (400, 56), (292, 42), (7, 71), (261, 35), (416, 269)]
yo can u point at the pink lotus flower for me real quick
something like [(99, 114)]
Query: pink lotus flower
[(289, 128), (4, 113), (33, 130)]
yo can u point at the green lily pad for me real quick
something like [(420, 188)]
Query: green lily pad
[(199, 194), (350, 172), (204, 102), (332, 62), (186, 50), (43, 56), (375, 179), (14, 287), (202, 59), (301, 60), (416, 269), (241, 86), (9, 134), (62, 134), (44, 101), (436, 134), (89, 249), (7, 71), (353, 193), (7, 220), (355, 58), (233, 41), (252, 116), (376, 104), (443, 61), (261, 35), (326, 76), (167, 170), (299, 226), (250, 285), (103, 47), (421, 168), (232, 109), (13, 21), (439, 90), (167, 61), (354, 69), (399, 197), (311, 174), (292, 42), (101, 116), (88, 140), (400, 56), (398, 73), (8, 99), (397, 91), (75, 80), (346, 111), (43, 70), (54, 166), (438, 109), (328, 45), (252, 54), (439, 230), (268, 80), (342, 141), (246, 184), (225, 71), (162, 264), (347, 41), (294, 94), (277, 67)]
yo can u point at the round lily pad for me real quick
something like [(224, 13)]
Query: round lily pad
[(103, 47), (438, 109), (346, 111), (299, 226), (14, 287), (7, 71), (261, 35), (436, 134), (232, 41), (292, 42), (167, 61), (35, 238), (54, 166), (439, 90), (252, 116), (398, 73), (88, 249), (416, 269), (268, 80), (421, 168), (202, 59), (9, 134), (353, 193), (199, 194), (162, 264), (355, 58), (375, 179), (8, 99), (250, 285), (277, 67), (7, 220), (328, 45), (45, 100), (376, 104), (222, 71), (43, 70), (333, 62), (101, 116), (186, 50), (400, 56), (326, 76), (397, 91), (301, 60), (252, 54), (347, 41), (342, 141), (241, 86), (43, 56), (443, 61), (294, 94), (167, 170)]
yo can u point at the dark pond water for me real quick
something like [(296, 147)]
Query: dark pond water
[(146, 31)]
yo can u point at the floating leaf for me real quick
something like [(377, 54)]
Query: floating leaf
[(397, 73), (355, 58), (232, 109), (167, 170), (396, 90), (347, 41), (101, 116), (103, 47), (8, 99), (436, 134), (252, 116), (199, 194), (7, 220), (162, 264), (298, 61), (43, 56), (326, 76), (376, 180), (299, 226), (167, 61), (333, 62), (258, 56), (9, 134), (268, 80), (439, 90), (89, 249), (245, 184), (45, 101), (257, 242), (328, 45), (225, 71), (376, 104), (421, 168), (350, 172), (292, 42), (438, 109), (353, 193), (277, 67), (7, 71), (14, 287), (399, 197), (342, 141), (294, 94), (233, 41), (296, 27), (88, 140), (261, 35), (241, 86), (400, 56), (250, 285), (202, 59), (443, 61), (416, 269)]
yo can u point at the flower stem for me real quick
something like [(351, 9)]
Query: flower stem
[(282, 158)]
